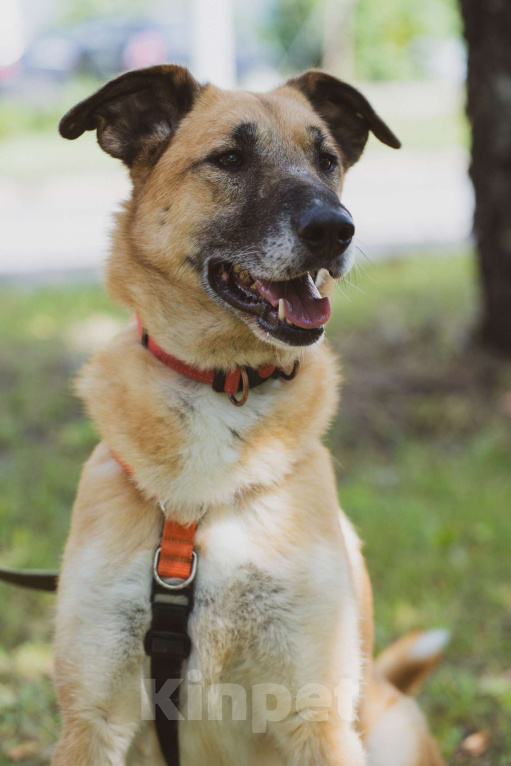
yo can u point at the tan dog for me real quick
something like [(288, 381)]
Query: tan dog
[(232, 239)]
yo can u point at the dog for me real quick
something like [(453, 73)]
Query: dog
[(232, 240)]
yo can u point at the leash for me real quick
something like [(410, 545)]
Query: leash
[(37, 579), (167, 642)]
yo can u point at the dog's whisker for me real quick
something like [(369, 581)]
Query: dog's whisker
[(344, 294), (353, 285), (362, 249), (360, 268)]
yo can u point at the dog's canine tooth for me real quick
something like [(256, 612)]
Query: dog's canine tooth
[(236, 269), (282, 313)]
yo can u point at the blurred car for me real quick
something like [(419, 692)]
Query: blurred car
[(102, 48), (111, 46)]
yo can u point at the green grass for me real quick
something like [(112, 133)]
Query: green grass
[(41, 110), (422, 448), (30, 145)]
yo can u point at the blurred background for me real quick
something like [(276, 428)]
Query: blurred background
[(407, 56), (423, 326)]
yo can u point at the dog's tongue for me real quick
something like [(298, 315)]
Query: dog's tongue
[(303, 304)]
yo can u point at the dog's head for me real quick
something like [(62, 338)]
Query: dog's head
[(235, 230)]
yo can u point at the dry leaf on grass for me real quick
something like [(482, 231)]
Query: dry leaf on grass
[(476, 744), (21, 752)]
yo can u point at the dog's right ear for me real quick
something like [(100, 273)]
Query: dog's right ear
[(136, 114), (347, 113)]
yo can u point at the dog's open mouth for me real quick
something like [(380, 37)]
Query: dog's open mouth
[(292, 311)]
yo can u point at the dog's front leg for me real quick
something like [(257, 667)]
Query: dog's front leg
[(103, 615)]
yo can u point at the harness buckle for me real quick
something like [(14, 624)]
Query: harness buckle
[(167, 645)]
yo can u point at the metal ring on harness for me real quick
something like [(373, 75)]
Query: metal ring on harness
[(178, 584)]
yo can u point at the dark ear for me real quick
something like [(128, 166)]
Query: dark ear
[(347, 113), (136, 114)]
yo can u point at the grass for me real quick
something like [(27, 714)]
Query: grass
[(421, 446), (37, 107), (30, 145)]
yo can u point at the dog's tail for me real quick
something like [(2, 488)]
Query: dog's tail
[(407, 662)]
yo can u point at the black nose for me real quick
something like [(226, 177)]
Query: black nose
[(326, 231)]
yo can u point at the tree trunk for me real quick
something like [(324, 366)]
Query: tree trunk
[(488, 33)]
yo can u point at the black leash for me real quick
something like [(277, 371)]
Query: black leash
[(37, 579)]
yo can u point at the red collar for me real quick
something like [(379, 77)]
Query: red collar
[(241, 379), (175, 557)]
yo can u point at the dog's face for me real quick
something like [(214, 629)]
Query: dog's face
[(235, 224)]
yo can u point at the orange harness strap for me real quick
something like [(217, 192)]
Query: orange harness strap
[(176, 547), (176, 552)]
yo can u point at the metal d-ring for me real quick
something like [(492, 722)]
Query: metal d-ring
[(179, 584), (244, 395)]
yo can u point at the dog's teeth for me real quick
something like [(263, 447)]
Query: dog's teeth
[(282, 313), (236, 269)]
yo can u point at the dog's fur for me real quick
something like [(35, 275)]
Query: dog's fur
[(282, 593)]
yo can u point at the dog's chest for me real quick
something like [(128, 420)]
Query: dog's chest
[(217, 454), (240, 623), (256, 606)]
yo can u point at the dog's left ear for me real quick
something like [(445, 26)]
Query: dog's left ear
[(348, 114), (135, 114)]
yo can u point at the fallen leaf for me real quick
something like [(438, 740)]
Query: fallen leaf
[(505, 403), (22, 752), (476, 744)]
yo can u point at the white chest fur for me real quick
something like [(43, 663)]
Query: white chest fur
[(265, 617), (213, 465)]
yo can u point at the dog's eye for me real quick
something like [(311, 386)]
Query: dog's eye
[(327, 162), (230, 160)]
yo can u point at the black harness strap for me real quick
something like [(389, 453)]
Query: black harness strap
[(168, 644)]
